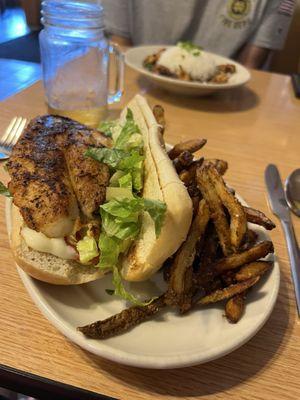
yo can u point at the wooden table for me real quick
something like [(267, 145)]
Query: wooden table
[(250, 127)]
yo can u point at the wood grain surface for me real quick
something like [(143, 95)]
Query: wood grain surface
[(249, 127)]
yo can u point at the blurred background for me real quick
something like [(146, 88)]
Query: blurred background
[(20, 26)]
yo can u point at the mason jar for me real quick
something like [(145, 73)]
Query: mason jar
[(75, 60)]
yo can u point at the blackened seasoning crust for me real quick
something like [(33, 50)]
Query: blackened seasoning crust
[(50, 176), (123, 321)]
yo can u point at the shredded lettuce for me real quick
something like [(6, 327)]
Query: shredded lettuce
[(87, 249), (133, 164), (120, 228), (123, 140), (120, 160), (130, 136), (131, 161), (117, 192), (125, 181), (114, 180), (121, 213), (4, 190), (107, 127), (111, 157), (122, 292), (127, 211), (109, 251), (157, 210), (129, 115), (127, 153), (121, 224)]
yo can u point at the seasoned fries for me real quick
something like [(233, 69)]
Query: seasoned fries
[(228, 292), (234, 308), (188, 175), (159, 114), (183, 160), (238, 222), (259, 218), (215, 207), (190, 145), (220, 259), (250, 239), (181, 274), (252, 270), (185, 177), (260, 250), (220, 165), (122, 321)]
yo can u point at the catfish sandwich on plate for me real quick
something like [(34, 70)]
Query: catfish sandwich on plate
[(86, 203)]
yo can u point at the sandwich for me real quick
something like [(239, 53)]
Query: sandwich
[(85, 203)]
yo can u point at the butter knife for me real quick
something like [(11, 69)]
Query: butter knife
[(280, 208)]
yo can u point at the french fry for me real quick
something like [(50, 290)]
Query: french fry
[(228, 292), (166, 269), (215, 207), (195, 201), (183, 160), (259, 218), (121, 322), (159, 114), (206, 251), (249, 240), (193, 191), (188, 175), (181, 283), (192, 146), (228, 278), (220, 165), (256, 252), (238, 221), (210, 246), (234, 308), (185, 176), (257, 268)]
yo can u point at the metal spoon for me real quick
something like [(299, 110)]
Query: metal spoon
[(292, 191)]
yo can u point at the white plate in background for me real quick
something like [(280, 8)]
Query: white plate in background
[(135, 56)]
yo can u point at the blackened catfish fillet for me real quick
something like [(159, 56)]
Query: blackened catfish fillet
[(51, 180)]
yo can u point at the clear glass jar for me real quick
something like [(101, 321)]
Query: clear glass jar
[(75, 59)]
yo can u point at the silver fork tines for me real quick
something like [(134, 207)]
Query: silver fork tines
[(12, 134)]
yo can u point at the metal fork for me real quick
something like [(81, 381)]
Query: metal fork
[(11, 135)]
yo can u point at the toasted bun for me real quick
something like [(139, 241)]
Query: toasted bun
[(161, 182), (46, 267)]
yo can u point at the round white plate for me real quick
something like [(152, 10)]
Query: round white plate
[(166, 341), (135, 56)]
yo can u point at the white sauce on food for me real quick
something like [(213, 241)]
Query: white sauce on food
[(40, 242)]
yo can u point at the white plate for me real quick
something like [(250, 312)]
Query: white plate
[(135, 56), (167, 341)]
